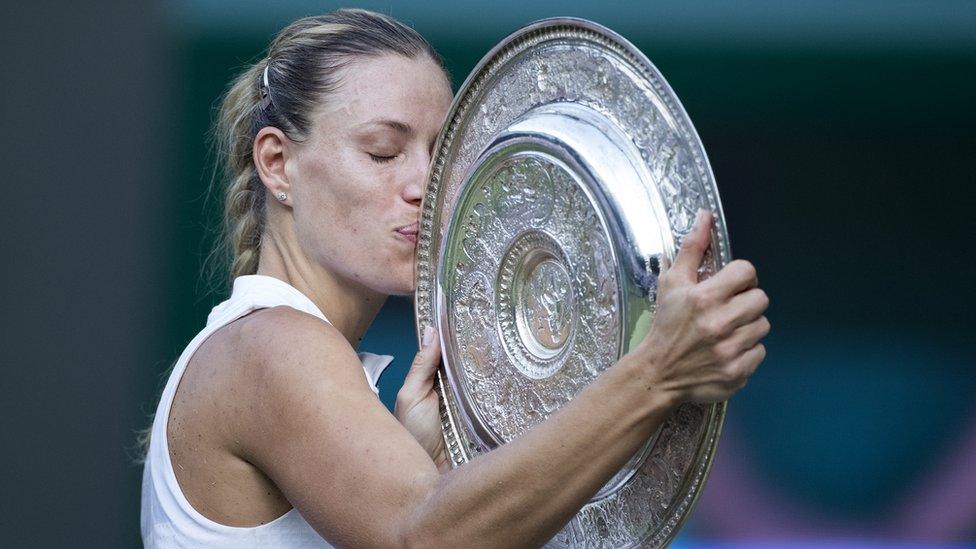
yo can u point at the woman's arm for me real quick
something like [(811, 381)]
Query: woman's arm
[(311, 423)]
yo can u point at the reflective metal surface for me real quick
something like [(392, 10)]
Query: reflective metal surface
[(566, 175)]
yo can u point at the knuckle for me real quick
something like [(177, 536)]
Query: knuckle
[(721, 327), (705, 327), (748, 269), (742, 269), (710, 296), (714, 329), (689, 242), (754, 357), (701, 325), (664, 280), (732, 375), (743, 369), (724, 352), (700, 298), (750, 367), (763, 299), (761, 352)]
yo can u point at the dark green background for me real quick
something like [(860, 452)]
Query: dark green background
[(841, 135)]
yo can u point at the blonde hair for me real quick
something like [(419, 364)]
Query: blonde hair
[(301, 69)]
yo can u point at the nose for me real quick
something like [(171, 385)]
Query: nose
[(413, 191)]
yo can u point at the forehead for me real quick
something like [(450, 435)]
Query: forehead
[(414, 91)]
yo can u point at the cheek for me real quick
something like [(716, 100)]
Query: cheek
[(329, 193), (341, 211), (358, 214)]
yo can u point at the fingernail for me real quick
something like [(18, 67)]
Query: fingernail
[(702, 215), (428, 335)]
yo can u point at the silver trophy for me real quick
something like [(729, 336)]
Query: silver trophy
[(565, 177)]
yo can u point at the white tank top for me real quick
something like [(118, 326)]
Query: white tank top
[(168, 519)]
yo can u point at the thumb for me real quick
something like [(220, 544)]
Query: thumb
[(425, 364), (693, 247)]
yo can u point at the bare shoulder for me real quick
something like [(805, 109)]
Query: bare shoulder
[(289, 363), (300, 410), (282, 335), (286, 354), (257, 397)]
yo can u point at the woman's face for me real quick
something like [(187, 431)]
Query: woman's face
[(357, 181)]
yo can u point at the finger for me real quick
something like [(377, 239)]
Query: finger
[(738, 276), (425, 363), (743, 367), (693, 248), (744, 308), (747, 336)]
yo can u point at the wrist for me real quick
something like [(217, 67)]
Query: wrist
[(642, 377)]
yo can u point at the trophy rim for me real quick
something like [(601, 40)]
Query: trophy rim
[(427, 253)]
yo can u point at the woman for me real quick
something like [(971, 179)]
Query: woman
[(269, 432)]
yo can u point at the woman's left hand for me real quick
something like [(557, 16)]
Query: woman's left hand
[(417, 407)]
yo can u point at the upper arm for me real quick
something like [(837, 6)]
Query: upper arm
[(313, 425)]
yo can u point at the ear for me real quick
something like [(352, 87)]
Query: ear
[(269, 156)]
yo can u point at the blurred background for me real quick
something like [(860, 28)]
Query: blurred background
[(842, 135)]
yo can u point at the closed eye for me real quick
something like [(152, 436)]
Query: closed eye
[(381, 159)]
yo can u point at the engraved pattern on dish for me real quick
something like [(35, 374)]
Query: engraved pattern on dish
[(577, 61), (528, 210)]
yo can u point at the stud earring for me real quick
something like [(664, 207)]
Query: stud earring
[(281, 196)]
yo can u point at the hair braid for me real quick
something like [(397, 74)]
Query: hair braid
[(245, 195), (244, 212)]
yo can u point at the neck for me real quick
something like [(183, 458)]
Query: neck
[(349, 306)]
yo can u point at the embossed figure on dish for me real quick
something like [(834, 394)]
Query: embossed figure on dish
[(516, 257)]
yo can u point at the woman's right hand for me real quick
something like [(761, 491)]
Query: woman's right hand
[(704, 341)]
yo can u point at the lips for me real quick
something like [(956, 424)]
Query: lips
[(409, 232)]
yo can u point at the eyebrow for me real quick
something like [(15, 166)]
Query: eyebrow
[(398, 126)]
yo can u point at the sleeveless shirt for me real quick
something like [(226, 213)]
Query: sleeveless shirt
[(168, 519)]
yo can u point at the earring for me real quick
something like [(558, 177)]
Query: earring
[(281, 196)]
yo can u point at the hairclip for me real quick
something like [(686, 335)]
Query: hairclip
[(265, 88)]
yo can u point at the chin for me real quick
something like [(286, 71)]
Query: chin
[(405, 289), (402, 285), (407, 280), (403, 293)]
